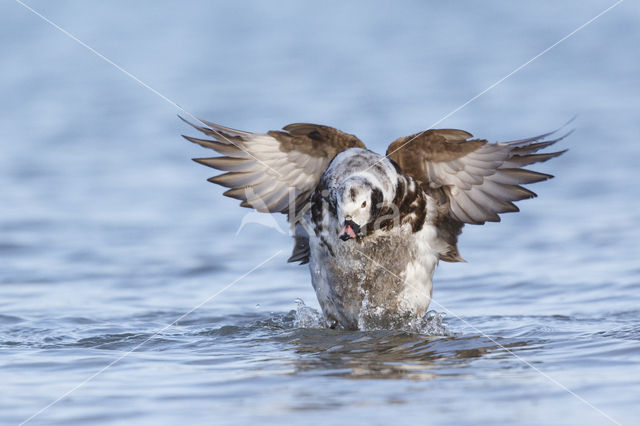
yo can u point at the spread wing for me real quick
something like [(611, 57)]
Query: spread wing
[(474, 179), (276, 171), (480, 179), (270, 171)]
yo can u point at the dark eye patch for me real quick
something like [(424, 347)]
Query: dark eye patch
[(353, 193)]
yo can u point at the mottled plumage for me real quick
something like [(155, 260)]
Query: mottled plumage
[(372, 227)]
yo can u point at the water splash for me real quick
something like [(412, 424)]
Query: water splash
[(307, 317), (432, 324), (302, 316)]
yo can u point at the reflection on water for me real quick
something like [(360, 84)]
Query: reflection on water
[(388, 354), (382, 354)]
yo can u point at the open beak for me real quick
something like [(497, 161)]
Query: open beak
[(350, 230)]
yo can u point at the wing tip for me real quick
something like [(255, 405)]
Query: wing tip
[(543, 136), (203, 161)]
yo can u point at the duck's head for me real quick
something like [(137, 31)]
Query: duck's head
[(358, 200)]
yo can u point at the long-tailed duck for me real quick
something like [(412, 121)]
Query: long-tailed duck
[(373, 228)]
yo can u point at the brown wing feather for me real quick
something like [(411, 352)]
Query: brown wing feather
[(276, 171), (474, 180)]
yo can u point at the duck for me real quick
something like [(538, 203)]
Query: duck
[(372, 228)]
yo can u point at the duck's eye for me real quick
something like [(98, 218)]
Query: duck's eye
[(364, 204)]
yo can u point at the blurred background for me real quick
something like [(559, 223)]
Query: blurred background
[(108, 232)]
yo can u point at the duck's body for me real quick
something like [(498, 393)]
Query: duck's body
[(384, 281), (383, 277), (373, 228)]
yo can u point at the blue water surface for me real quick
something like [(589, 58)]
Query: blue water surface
[(109, 233)]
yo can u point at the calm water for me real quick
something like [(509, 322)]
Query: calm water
[(109, 233)]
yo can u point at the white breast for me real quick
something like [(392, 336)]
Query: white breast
[(362, 285), (418, 276)]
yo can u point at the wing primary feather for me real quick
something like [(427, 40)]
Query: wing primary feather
[(237, 193), (529, 140), (220, 147), (217, 131), (533, 148), (227, 164), (239, 179), (223, 129), (525, 160), (516, 176), (526, 141)]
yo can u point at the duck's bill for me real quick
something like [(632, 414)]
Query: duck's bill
[(347, 232)]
